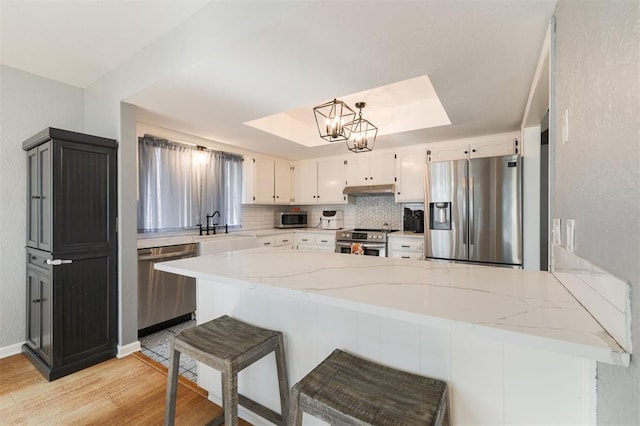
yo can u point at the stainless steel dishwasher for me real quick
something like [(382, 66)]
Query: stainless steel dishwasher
[(164, 298)]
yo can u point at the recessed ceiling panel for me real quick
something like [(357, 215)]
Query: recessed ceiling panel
[(398, 107)]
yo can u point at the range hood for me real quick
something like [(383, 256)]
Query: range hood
[(388, 189)]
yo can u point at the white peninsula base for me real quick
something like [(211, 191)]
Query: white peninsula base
[(490, 382)]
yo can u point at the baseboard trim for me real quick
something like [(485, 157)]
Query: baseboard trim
[(129, 349), (11, 350)]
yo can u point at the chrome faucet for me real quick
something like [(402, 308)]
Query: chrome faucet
[(211, 216)]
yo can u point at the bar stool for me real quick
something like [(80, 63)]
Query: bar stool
[(229, 345), (346, 389)]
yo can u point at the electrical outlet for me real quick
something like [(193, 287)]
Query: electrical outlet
[(571, 234), (556, 236)]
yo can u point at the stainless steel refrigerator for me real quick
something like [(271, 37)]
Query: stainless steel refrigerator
[(473, 210)]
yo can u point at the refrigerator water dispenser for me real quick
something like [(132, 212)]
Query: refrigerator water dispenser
[(440, 216)]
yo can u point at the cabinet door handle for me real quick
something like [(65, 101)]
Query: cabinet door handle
[(56, 262)]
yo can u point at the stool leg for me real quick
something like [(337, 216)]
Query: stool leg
[(230, 396), (172, 385), (295, 414), (283, 381)]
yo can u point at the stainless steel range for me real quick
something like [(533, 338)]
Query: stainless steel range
[(368, 242)]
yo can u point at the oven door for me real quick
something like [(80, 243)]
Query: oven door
[(370, 249)]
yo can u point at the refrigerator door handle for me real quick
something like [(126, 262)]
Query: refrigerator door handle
[(465, 218), (471, 211)]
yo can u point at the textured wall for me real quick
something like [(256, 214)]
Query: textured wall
[(28, 104), (598, 171)]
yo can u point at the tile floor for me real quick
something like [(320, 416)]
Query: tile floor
[(156, 347)]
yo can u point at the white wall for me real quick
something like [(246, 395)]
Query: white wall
[(597, 172), (531, 197), (28, 104)]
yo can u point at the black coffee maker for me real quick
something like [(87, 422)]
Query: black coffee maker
[(407, 220), (418, 221)]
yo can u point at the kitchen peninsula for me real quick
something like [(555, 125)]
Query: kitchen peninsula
[(514, 346)]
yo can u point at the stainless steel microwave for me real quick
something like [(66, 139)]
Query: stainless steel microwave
[(290, 220)]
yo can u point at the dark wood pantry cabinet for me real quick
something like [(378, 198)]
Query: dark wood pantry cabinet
[(72, 299)]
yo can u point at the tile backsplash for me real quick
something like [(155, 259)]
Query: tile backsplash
[(362, 212), (374, 211)]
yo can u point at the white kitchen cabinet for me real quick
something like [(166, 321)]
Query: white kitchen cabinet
[(319, 182), (277, 240), (266, 181), (285, 240), (410, 168), (371, 169), (480, 149), (319, 241), (305, 183), (267, 241), (493, 149), (406, 247), (282, 182), (331, 181)]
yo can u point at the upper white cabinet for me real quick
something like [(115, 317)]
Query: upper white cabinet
[(319, 182), (282, 185), (266, 181), (410, 167), (305, 183), (371, 169), (331, 181), (480, 149)]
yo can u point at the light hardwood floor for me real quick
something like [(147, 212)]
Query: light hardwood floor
[(127, 391)]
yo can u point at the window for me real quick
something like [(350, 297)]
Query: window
[(180, 184)]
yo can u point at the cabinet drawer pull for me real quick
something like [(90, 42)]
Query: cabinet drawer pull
[(34, 258), (324, 241), (36, 301), (285, 241), (35, 197), (403, 246), (305, 239), (405, 257), (56, 262), (267, 244)]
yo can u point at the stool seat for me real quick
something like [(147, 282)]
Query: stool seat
[(347, 389), (229, 345)]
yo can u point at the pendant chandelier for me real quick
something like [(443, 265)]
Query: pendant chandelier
[(361, 133), (331, 118), (336, 122)]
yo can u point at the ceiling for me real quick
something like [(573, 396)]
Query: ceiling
[(480, 57)]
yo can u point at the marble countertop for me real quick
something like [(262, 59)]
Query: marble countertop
[(406, 234), (174, 238), (525, 307)]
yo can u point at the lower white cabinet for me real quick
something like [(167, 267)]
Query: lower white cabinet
[(278, 240), (403, 247), (304, 240), (320, 241)]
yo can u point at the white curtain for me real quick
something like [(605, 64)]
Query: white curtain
[(179, 185)]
